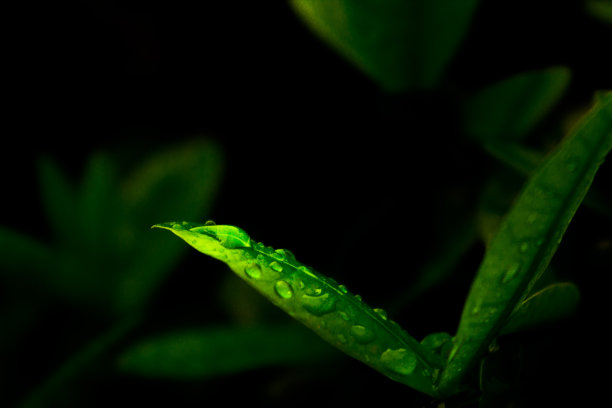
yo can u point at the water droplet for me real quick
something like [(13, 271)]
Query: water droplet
[(362, 334), (209, 223), (400, 361), (284, 254), (511, 273), (319, 305), (435, 341), (343, 289), (381, 313), (358, 297), (253, 271), (341, 338), (313, 291), (279, 255), (344, 315), (283, 289), (524, 247), (275, 266)]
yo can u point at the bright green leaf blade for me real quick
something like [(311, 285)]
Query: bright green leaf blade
[(205, 353), (403, 45), (528, 238), (509, 109), (330, 310), (549, 304), (180, 181)]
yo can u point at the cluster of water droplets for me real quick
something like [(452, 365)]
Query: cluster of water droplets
[(321, 296)]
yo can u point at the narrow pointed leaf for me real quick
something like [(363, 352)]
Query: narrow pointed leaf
[(205, 353), (549, 304), (528, 238), (402, 45), (329, 309)]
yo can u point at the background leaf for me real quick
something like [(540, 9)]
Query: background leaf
[(210, 352), (529, 236), (402, 45), (549, 304), (178, 182), (509, 109)]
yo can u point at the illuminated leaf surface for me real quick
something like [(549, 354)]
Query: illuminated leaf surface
[(329, 309)]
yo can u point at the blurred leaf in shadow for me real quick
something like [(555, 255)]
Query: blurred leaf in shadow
[(402, 45), (210, 352), (508, 110), (554, 302), (178, 183), (104, 255), (600, 9)]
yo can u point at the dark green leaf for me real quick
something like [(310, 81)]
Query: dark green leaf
[(403, 45), (549, 304), (528, 238), (205, 353), (59, 201), (600, 9), (509, 109), (178, 182), (20, 255)]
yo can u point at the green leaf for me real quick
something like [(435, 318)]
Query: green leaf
[(549, 304), (205, 353), (509, 109), (600, 9), (330, 310), (54, 391), (528, 238), (180, 181), (98, 207), (402, 45), (21, 255), (59, 200)]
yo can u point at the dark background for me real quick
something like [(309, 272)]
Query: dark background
[(318, 159)]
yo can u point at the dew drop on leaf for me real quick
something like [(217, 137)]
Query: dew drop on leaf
[(511, 273), (283, 289), (253, 271), (381, 313), (400, 361), (319, 305), (275, 266), (209, 223), (362, 334)]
